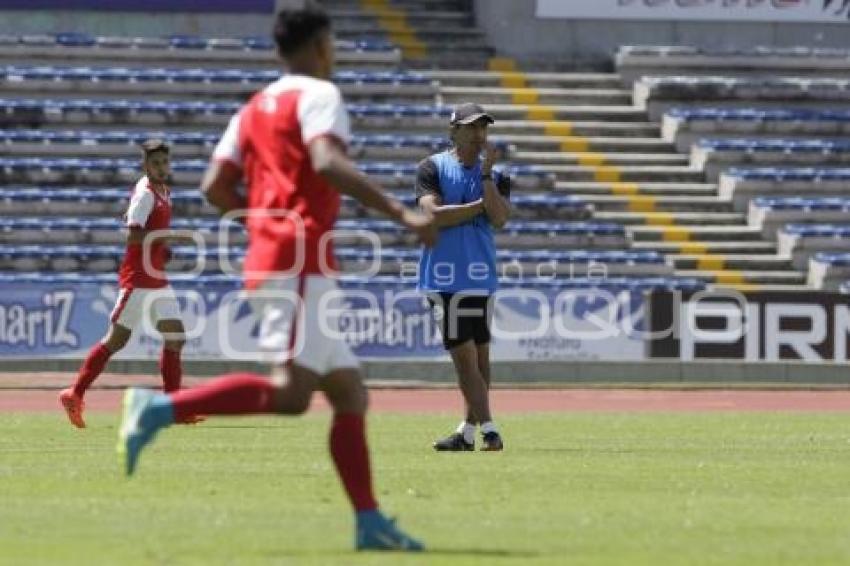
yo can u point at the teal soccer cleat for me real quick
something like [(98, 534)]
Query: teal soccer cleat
[(377, 532), (139, 425)]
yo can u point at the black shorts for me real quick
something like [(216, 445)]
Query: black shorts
[(473, 326)]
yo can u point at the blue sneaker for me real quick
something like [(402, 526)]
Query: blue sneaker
[(139, 425), (377, 532)]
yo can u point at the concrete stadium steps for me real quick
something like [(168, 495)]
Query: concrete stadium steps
[(732, 277), (551, 114), (623, 174), (178, 122), (449, 38), (673, 219), (418, 17), (446, 5), (580, 127), (598, 159), (742, 262), (712, 247), (445, 27), (764, 287), (518, 79), (554, 96), (696, 234), (644, 189), (641, 203), (582, 144)]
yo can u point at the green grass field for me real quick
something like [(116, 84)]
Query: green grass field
[(571, 489)]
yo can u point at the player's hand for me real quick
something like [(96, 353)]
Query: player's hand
[(422, 224), (491, 157)]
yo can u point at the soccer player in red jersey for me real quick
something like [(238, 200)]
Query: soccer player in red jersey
[(288, 143), (143, 285)]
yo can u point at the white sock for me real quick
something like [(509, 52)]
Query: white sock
[(467, 430), (489, 426)]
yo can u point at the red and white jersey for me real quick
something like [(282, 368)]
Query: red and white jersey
[(268, 140), (150, 210)]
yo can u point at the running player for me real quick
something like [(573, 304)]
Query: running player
[(288, 143), (139, 288)]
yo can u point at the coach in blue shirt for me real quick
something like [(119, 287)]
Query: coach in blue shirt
[(468, 197)]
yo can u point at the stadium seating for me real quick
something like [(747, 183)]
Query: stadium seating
[(828, 270), (593, 176), (113, 201), (741, 185), (659, 94), (181, 49), (214, 83), (634, 62), (715, 156), (517, 235), (686, 126), (191, 144), (612, 284), (801, 241), (189, 172), (521, 264), (771, 213)]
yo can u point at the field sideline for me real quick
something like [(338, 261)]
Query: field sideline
[(588, 477)]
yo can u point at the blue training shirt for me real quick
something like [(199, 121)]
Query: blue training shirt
[(464, 258)]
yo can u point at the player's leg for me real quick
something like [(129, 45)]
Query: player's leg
[(456, 331), (344, 390), (348, 397), (170, 366), (471, 381), (288, 391), (146, 412), (163, 310), (124, 317), (491, 438)]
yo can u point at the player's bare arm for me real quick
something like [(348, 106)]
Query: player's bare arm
[(329, 161), (497, 207), (219, 185), (446, 215)]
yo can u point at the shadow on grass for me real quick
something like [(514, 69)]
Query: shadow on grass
[(431, 551)]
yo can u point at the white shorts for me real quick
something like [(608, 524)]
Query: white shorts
[(161, 304), (313, 341)]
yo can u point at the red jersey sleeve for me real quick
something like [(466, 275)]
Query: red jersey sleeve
[(321, 111), (141, 205), (227, 148)]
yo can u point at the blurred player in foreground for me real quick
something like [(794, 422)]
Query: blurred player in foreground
[(144, 289), (289, 144)]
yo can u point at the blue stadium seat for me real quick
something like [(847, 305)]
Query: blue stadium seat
[(789, 146), (782, 174), (187, 42), (832, 258), (756, 114), (818, 230), (73, 39), (635, 284), (802, 203), (201, 75)]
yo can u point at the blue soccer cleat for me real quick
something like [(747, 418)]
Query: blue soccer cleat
[(139, 425), (377, 532)]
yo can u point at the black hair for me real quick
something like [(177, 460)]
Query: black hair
[(154, 145), (293, 29)]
